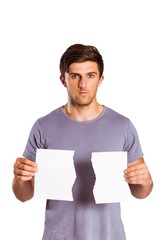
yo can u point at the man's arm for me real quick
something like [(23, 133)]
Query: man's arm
[(139, 178), (23, 182)]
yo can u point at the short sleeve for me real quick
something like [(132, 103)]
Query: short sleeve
[(132, 144), (35, 141)]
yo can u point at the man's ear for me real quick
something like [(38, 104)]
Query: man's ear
[(100, 80), (63, 80)]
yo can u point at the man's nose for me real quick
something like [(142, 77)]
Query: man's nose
[(83, 82)]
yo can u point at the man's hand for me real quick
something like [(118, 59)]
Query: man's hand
[(137, 172), (24, 169), (139, 179)]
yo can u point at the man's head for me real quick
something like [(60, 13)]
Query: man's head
[(78, 53), (81, 68)]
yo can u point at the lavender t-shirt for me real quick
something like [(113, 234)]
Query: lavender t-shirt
[(83, 219)]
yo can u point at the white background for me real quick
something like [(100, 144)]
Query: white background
[(33, 35)]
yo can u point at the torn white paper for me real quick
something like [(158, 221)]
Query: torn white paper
[(56, 174), (110, 185)]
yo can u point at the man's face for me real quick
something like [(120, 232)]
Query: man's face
[(82, 81)]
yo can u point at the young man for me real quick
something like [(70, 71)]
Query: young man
[(85, 126)]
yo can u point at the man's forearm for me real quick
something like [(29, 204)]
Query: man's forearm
[(140, 191), (23, 190)]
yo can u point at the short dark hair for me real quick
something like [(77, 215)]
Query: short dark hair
[(77, 53)]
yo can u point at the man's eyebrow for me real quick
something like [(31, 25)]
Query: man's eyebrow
[(74, 73), (92, 72), (71, 73)]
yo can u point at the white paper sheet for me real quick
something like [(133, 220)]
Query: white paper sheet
[(110, 185), (56, 174)]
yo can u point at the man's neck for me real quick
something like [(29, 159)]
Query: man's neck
[(83, 113)]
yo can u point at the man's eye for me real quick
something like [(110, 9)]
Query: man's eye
[(90, 75), (75, 76)]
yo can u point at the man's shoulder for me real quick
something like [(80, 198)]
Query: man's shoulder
[(115, 114), (50, 117)]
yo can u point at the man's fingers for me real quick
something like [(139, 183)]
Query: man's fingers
[(24, 169)]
